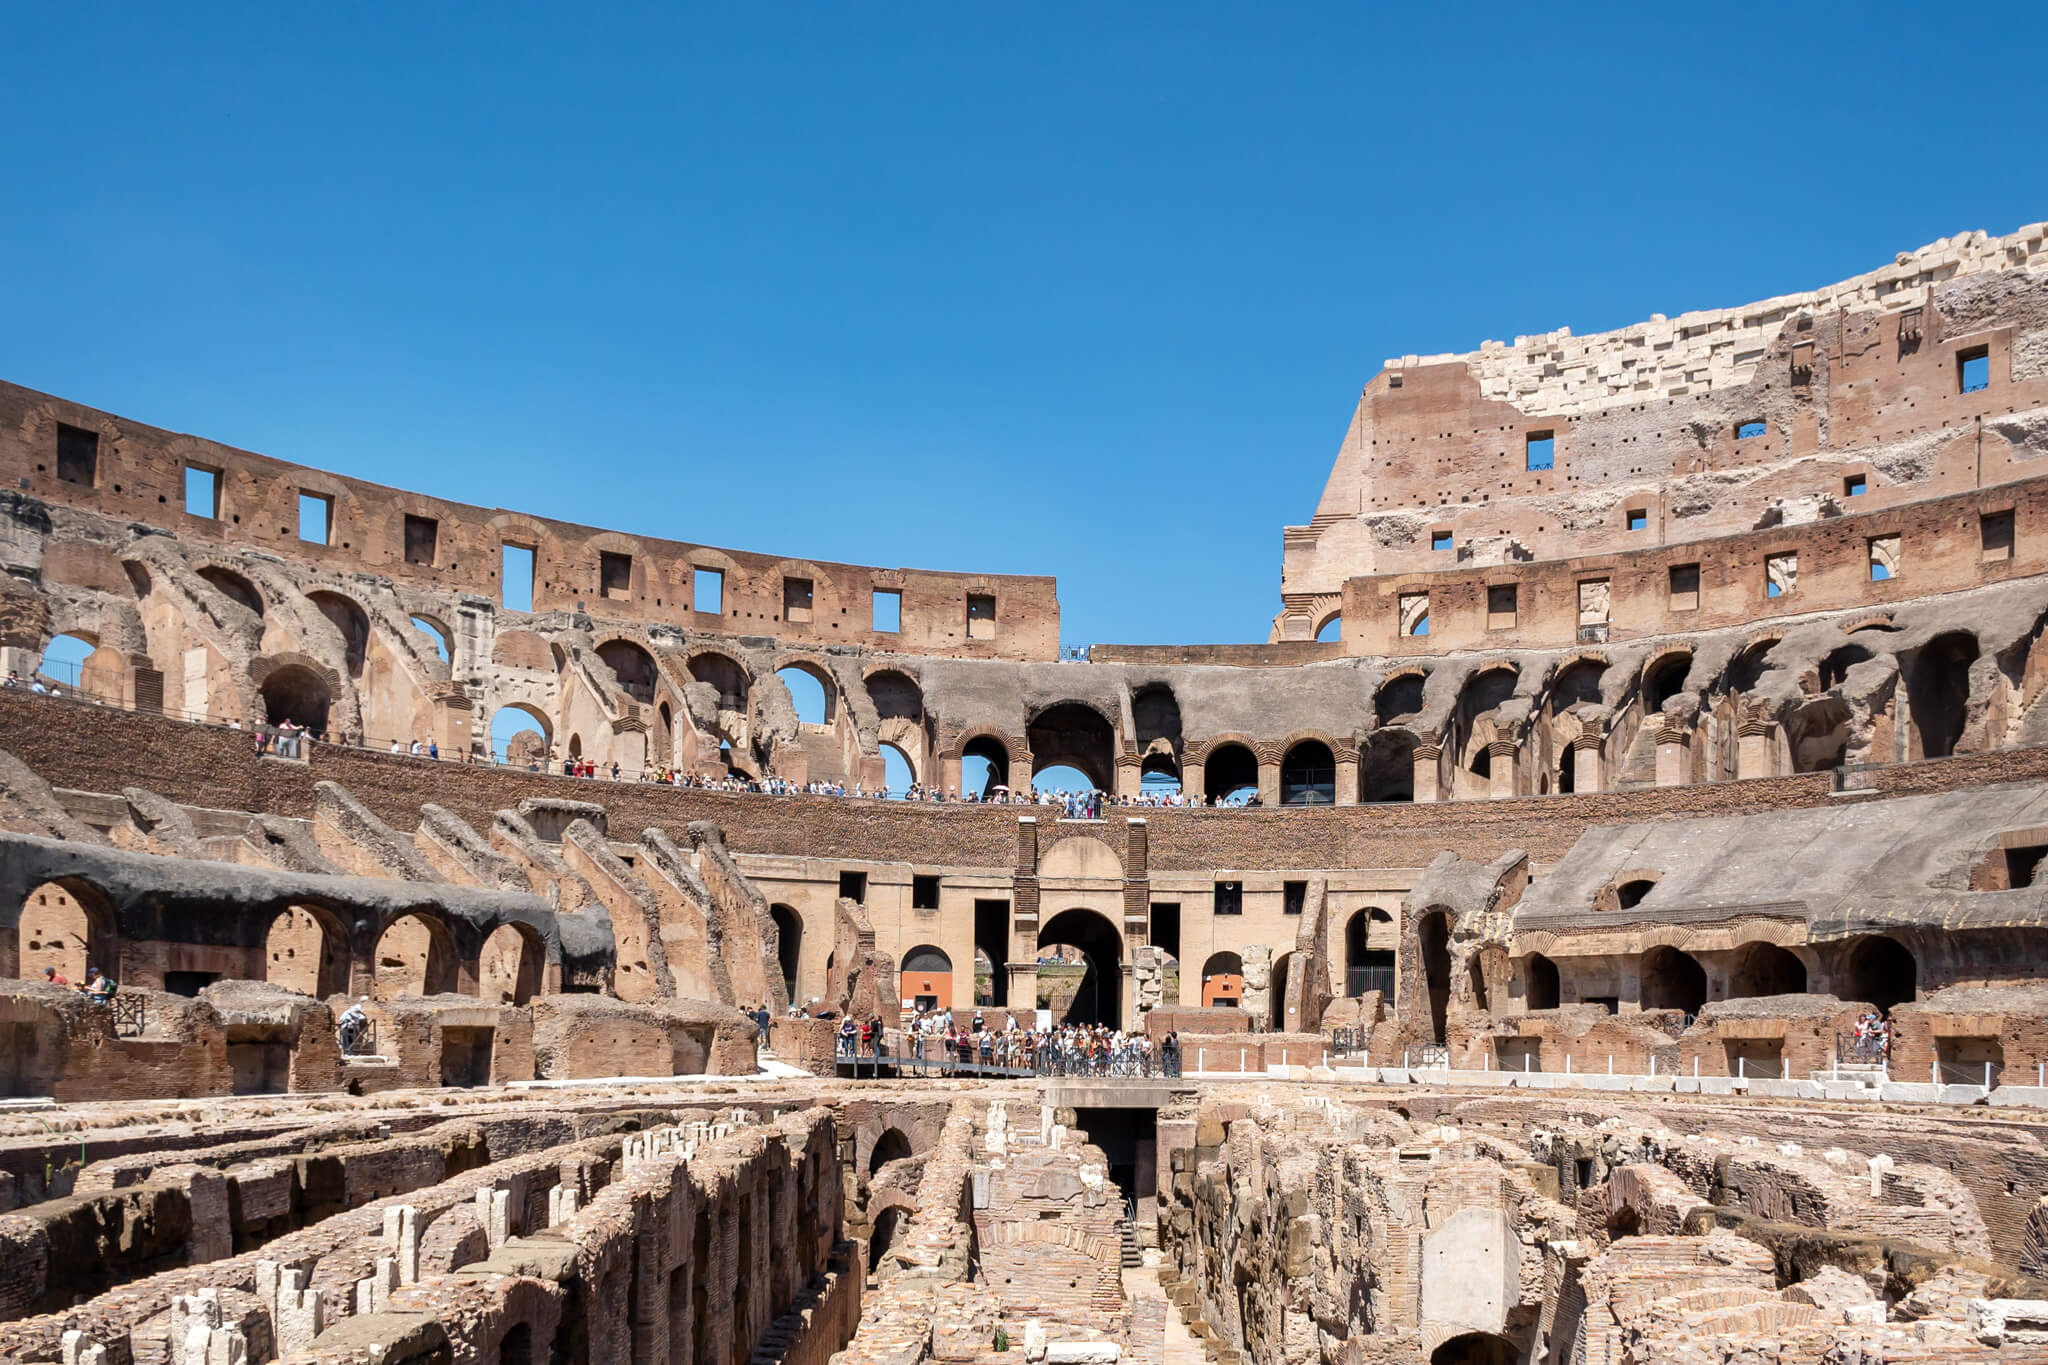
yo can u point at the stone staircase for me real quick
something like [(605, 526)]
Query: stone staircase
[(1181, 1294), (1869, 1075)]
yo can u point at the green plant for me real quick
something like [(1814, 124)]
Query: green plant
[(1002, 1340)]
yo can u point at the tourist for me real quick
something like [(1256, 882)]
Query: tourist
[(99, 988), (55, 977), (354, 1024)]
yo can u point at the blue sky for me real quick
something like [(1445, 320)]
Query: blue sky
[(1080, 290)]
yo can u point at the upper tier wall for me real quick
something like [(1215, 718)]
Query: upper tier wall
[(134, 472), (1862, 380)]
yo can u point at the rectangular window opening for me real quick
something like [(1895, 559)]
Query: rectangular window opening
[(1439, 540), (1781, 574), (1973, 369), (1414, 607), (614, 575), (1166, 927), (888, 611), (1685, 587), (1854, 485), (1745, 430), (981, 616), (1541, 451), (1293, 897), (516, 577), (1230, 898), (853, 886), (202, 492), (316, 516), (1502, 606), (78, 455), (1884, 557), (1638, 518), (422, 539), (1995, 534), (707, 591), (796, 599), (924, 893)]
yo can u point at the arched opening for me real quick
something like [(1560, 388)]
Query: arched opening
[(1399, 698), (1062, 777), (1073, 735), (1624, 1222), (67, 925), (1879, 969), (1664, 680), (1223, 981), (1332, 628), (519, 734), (353, 623), (1818, 735), (415, 956), (1099, 998), (1834, 669), (899, 774), (1672, 980), (667, 749), (1480, 696), (882, 1235), (1938, 693), (1308, 775), (1386, 769), (925, 978), (726, 676), (1630, 894), (433, 630), (984, 766), (516, 1346), (896, 696), (1575, 683), (234, 587), (1155, 716), (297, 694), (509, 967), (1746, 670), (810, 691), (1433, 936), (1276, 992), (1369, 953), (789, 944), (1766, 969), (575, 746), (633, 666), (1475, 973), (306, 950), (64, 660), (1567, 771), (1230, 775), (1159, 776), (984, 979), (1475, 1348), (1540, 989), (892, 1145)]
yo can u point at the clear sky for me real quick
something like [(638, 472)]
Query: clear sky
[(1084, 290)]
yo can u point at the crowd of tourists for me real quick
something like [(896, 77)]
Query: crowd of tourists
[(1873, 1040), (937, 1035)]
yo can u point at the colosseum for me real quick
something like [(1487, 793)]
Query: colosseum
[(1598, 926)]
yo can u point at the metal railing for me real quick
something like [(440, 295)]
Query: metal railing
[(1863, 1049), (1364, 980), (131, 1014)]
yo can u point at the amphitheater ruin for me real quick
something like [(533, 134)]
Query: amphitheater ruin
[(1602, 924)]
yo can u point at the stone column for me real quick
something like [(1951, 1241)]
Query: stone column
[(1129, 774), (1501, 756), (1753, 750), (1674, 757), (1586, 764), (1269, 781), (1347, 777), (1428, 772), (1193, 781)]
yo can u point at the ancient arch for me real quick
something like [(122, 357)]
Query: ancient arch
[(68, 924), (789, 944), (1475, 1348), (1664, 678), (724, 673), (1879, 969), (1766, 969), (1276, 991), (1155, 718), (984, 765), (298, 694), (1386, 767), (1577, 682), (1433, 937), (415, 956), (1308, 775), (436, 630), (1399, 697), (1074, 734), (352, 621), (510, 965), (1938, 693), (1818, 735), (807, 671), (926, 976), (1229, 769), (633, 666), (1223, 980), (234, 587), (896, 695), (1366, 967), (505, 727), (306, 950), (1540, 986), (1100, 997), (1673, 980), (892, 1145)]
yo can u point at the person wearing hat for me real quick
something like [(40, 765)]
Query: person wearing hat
[(55, 977)]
